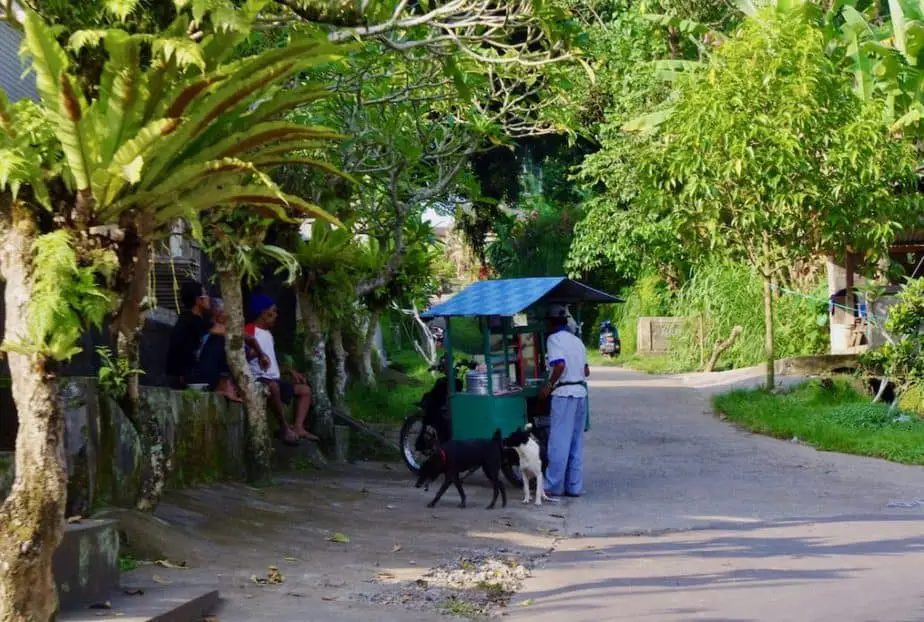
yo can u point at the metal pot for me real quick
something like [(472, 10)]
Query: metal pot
[(477, 382)]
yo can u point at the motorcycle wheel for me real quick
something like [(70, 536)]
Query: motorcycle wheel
[(410, 429)]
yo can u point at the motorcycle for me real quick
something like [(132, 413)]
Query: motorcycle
[(609, 344), (431, 422)]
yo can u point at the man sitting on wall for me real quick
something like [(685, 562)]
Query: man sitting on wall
[(186, 337), (264, 313), (197, 345)]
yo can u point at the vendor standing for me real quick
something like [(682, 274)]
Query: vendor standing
[(567, 387)]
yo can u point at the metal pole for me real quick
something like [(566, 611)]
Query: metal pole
[(486, 343)]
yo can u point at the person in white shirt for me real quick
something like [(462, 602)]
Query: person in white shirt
[(567, 386), (281, 392)]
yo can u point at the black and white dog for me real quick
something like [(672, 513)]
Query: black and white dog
[(531, 463), (454, 458)]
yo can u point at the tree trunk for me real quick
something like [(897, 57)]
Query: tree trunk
[(258, 438), (316, 353), (367, 347), (126, 328), (768, 332), (722, 346), (32, 516), (339, 376)]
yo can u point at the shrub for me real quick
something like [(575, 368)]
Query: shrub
[(863, 416), (911, 400), (723, 295)]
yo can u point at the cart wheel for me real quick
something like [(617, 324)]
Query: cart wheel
[(511, 468), (410, 430)]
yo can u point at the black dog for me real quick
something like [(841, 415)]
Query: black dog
[(453, 458)]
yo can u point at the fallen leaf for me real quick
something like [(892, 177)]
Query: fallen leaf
[(388, 467), (289, 558), (161, 580), (364, 491), (102, 605), (74, 519), (396, 548), (296, 594), (422, 583), (385, 575), (164, 563), (328, 598), (339, 538), (527, 602), (557, 515), (133, 591), (389, 507)]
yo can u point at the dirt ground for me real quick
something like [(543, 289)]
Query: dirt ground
[(355, 542)]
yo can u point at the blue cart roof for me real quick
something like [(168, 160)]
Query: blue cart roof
[(508, 297)]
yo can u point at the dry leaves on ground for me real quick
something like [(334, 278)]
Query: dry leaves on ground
[(273, 577), (165, 563)]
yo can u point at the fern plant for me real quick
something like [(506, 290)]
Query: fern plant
[(114, 373)]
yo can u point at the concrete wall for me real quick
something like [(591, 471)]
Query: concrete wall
[(204, 440), (654, 334)]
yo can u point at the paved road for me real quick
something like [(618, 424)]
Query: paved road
[(751, 528)]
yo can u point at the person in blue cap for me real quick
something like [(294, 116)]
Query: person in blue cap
[(281, 392)]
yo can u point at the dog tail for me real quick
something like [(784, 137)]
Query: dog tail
[(497, 435)]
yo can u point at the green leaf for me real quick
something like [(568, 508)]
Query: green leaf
[(271, 204), (130, 159), (270, 162), (121, 8), (182, 50), (282, 103), (897, 13), (261, 136), (61, 96)]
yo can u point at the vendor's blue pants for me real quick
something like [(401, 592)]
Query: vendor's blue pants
[(565, 472)]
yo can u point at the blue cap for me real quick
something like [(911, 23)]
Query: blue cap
[(259, 304)]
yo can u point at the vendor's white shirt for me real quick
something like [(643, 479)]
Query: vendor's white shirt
[(564, 347), (268, 346)]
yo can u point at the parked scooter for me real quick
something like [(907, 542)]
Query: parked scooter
[(609, 344), (431, 421)]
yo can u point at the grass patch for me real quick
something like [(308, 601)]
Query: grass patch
[(127, 563), (830, 416), (391, 400), (461, 609)]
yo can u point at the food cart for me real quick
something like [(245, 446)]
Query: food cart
[(503, 392)]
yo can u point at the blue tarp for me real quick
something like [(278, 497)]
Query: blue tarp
[(506, 297)]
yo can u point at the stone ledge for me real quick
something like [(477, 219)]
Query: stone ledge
[(157, 603), (86, 563)]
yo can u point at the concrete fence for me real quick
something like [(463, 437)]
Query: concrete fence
[(654, 334)]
